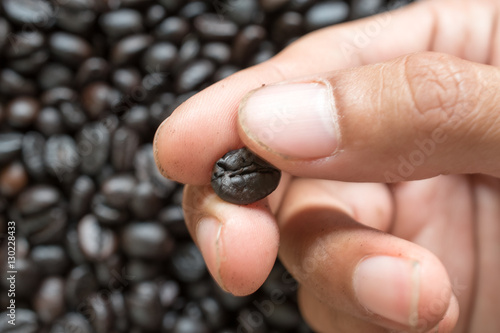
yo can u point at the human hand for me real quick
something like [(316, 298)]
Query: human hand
[(369, 257)]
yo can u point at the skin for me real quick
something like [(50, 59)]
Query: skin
[(431, 66)]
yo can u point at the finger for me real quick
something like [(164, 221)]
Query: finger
[(239, 243), (415, 117), (352, 268), (204, 128)]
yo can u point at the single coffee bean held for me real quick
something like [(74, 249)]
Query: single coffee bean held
[(242, 178)]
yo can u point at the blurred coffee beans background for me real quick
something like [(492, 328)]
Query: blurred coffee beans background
[(101, 245)]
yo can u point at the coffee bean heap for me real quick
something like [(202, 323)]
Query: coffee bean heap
[(101, 242)]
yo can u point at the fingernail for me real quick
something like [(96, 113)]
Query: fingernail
[(389, 287), (208, 237), (296, 120)]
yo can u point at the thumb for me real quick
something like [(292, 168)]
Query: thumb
[(414, 117)]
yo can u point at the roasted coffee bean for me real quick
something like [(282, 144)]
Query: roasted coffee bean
[(159, 57), (242, 12), (99, 312), (27, 279), (13, 178), (81, 196), (92, 69), (216, 51), (50, 121), (96, 99), (326, 13), (118, 306), (213, 313), (77, 21), (137, 118), (121, 22), (30, 64), (189, 50), (284, 317), (288, 25), (4, 33), (72, 248), (35, 13), (173, 29), (97, 243), (140, 270), (37, 198), (130, 48), (126, 79), (33, 154), (194, 75), (24, 43), (107, 215), (50, 259), (247, 42), (61, 157), (49, 299), (148, 240), (50, 226), (26, 321), (187, 325), (187, 263), (80, 284), (173, 218), (108, 272), (22, 111), (144, 306), (13, 84), (69, 48), (73, 115), (145, 202), (120, 189), (124, 146), (240, 177), (171, 5), (212, 27), (154, 15), (72, 322), (193, 9), (58, 95), (147, 170), (10, 146), (168, 291), (266, 51), (273, 5), (93, 147)]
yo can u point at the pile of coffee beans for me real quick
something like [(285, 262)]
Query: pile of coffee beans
[(101, 244)]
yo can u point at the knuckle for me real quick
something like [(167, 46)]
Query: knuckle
[(443, 89)]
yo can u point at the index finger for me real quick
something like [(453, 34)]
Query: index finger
[(204, 128)]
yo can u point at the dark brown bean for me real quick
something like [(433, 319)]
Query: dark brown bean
[(287, 26), (124, 146), (92, 69), (97, 243), (22, 111), (121, 22), (194, 75), (39, 13), (58, 95), (273, 5), (72, 322), (216, 51), (77, 21), (146, 170), (80, 284), (99, 313), (81, 196), (32, 154), (50, 259), (69, 48), (73, 115), (187, 263), (240, 177), (30, 64), (173, 29), (144, 306), (141, 270), (118, 306), (4, 32), (126, 79), (129, 49), (13, 84), (95, 99), (147, 240), (326, 13), (159, 57), (145, 203), (107, 215), (26, 322), (212, 27), (154, 15), (13, 178), (93, 147), (24, 43), (137, 118), (193, 9), (50, 121), (27, 279), (61, 157), (49, 299), (173, 218), (247, 42), (242, 12), (37, 198), (50, 226), (225, 71), (53, 75), (10, 146), (119, 190)]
